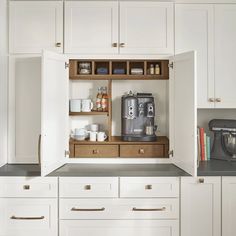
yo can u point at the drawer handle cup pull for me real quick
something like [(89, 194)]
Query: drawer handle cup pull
[(148, 187), (201, 181), (87, 187), (149, 209), (27, 218), (89, 209), (26, 187)]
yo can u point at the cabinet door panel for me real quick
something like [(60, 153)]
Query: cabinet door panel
[(201, 206), (225, 50), (35, 26), (194, 31), (146, 27), (91, 27)]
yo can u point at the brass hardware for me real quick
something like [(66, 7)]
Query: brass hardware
[(88, 209), (141, 151), (67, 65), (58, 45), (114, 45), (67, 153), (26, 187), (87, 187), (148, 187), (211, 100), (95, 151), (39, 149), (27, 218), (171, 65), (149, 209), (201, 180), (122, 45), (171, 153), (218, 100)]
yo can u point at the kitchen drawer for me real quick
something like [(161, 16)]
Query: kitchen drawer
[(88, 187), (119, 227), (96, 150), (139, 187), (90, 209), (27, 217), (142, 150), (28, 187)]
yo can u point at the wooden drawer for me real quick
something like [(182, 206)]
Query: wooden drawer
[(119, 227), (88, 187), (96, 150), (28, 187), (90, 209), (149, 187), (142, 150), (27, 217)]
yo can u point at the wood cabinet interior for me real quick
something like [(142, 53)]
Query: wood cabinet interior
[(110, 68)]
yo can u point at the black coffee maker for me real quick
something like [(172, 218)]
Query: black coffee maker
[(224, 145)]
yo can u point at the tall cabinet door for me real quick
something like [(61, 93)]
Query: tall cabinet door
[(183, 111), (35, 25), (54, 111), (91, 27), (146, 27), (194, 31), (201, 206), (225, 51)]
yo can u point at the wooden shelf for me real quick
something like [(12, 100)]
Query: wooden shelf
[(92, 113)]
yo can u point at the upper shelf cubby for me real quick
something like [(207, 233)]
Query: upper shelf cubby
[(119, 70)]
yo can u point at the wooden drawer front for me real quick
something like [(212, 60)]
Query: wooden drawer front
[(149, 187), (28, 187), (27, 217), (119, 227), (142, 150), (83, 209), (96, 150), (90, 187)]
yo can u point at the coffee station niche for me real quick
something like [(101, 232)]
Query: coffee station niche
[(131, 120)]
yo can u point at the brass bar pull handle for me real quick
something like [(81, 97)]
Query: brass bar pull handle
[(149, 209), (88, 209), (39, 149), (27, 218)]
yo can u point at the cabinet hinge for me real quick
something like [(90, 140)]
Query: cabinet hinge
[(67, 153), (171, 153), (171, 65), (67, 65)]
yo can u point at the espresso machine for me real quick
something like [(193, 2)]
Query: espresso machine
[(138, 117), (224, 145)]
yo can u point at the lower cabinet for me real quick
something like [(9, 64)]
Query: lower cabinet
[(228, 206), (201, 206)]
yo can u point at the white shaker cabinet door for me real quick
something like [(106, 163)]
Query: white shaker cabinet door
[(91, 27), (225, 50), (194, 31), (34, 26), (201, 206), (228, 206), (146, 27)]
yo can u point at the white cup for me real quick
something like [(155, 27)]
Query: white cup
[(87, 105), (93, 136), (94, 127), (81, 132), (75, 105), (101, 136)]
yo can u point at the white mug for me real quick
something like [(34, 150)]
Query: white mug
[(93, 136), (75, 105), (87, 105), (101, 136), (94, 127)]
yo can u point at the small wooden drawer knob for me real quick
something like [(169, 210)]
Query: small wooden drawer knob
[(26, 187), (148, 187), (141, 151), (87, 187), (95, 151)]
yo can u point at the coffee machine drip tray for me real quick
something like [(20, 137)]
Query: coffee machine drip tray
[(139, 138)]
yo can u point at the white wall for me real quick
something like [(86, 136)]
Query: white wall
[(3, 81)]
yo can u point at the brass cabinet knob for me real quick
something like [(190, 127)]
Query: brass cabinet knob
[(114, 45), (141, 151), (26, 187), (218, 100), (148, 187), (95, 151), (201, 180), (211, 100), (58, 45), (122, 45), (87, 187)]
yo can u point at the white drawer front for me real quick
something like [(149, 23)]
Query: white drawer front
[(119, 209), (28, 187), (88, 187), (119, 227), (27, 217), (139, 187)]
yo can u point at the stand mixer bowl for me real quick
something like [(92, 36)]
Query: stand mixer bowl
[(229, 140)]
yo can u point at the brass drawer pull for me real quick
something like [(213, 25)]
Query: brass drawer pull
[(149, 209), (211, 100), (201, 181), (122, 45), (27, 218), (148, 187), (26, 187), (114, 45), (218, 100), (58, 45), (87, 187), (95, 151), (88, 209), (141, 151)]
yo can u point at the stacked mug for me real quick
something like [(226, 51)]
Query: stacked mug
[(81, 105)]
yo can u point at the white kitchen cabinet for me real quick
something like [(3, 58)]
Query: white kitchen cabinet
[(201, 206), (91, 27), (35, 25), (228, 206), (225, 50), (194, 30), (146, 27)]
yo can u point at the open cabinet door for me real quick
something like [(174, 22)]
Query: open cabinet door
[(183, 111), (54, 111)]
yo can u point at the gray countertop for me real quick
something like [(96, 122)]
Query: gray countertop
[(20, 170)]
